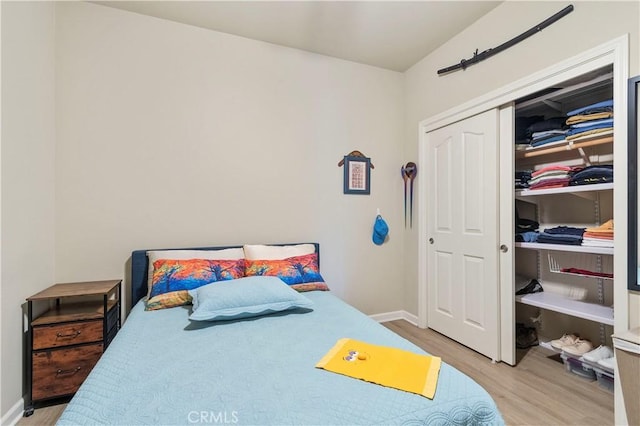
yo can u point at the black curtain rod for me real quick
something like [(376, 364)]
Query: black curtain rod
[(477, 57)]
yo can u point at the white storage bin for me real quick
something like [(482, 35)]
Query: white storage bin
[(605, 379), (578, 368)]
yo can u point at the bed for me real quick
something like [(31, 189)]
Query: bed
[(164, 369)]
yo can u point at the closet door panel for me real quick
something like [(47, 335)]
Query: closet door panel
[(473, 293), (472, 172), (462, 224), (444, 287), (442, 180)]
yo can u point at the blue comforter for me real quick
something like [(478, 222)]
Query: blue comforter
[(162, 369)]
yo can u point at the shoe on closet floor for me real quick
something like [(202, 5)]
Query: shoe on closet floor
[(525, 336), (533, 287), (609, 363), (601, 352), (565, 340), (579, 348)]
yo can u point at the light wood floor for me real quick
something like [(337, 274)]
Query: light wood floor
[(537, 391)]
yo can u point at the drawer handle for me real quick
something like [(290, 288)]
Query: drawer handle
[(71, 371), (71, 335)]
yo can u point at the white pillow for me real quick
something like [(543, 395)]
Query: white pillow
[(222, 254), (264, 252)]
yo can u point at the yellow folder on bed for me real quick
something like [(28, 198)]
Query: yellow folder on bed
[(390, 367)]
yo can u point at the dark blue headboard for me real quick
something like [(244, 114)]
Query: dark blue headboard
[(140, 266)]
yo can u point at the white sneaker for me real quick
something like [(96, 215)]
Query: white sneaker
[(609, 363), (601, 352), (579, 348), (567, 339)]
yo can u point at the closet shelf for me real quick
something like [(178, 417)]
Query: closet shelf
[(552, 302), (563, 247), (567, 146), (597, 84), (547, 345), (565, 190)]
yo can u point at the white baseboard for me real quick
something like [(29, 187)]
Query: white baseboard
[(413, 319), (14, 414), (395, 315)]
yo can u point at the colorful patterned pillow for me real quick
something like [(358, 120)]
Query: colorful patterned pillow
[(299, 272), (220, 254), (173, 278)]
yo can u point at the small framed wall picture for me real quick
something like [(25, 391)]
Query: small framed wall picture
[(357, 175)]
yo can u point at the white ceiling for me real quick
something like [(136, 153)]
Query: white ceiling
[(387, 34)]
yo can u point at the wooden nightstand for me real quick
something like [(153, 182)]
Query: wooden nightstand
[(66, 341)]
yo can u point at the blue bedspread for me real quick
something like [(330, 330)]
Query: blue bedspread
[(162, 369)]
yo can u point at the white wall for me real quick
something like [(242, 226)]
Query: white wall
[(27, 180), (427, 94), (170, 135)]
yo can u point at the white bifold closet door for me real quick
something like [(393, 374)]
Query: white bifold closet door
[(463, 250)]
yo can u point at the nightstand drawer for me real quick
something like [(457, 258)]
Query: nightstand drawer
[(111, 334), (112, 317), (61, 371), (53, 336)]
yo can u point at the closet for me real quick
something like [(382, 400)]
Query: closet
[(577, 279), (463, 288)]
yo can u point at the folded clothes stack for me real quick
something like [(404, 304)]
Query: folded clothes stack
[(522, 178), (527, 237), (547, 131), (526, 229), (600, 236), (546, 137), (562, 235), (590, 122), (592, 174), (522, 132), (554, 176)]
